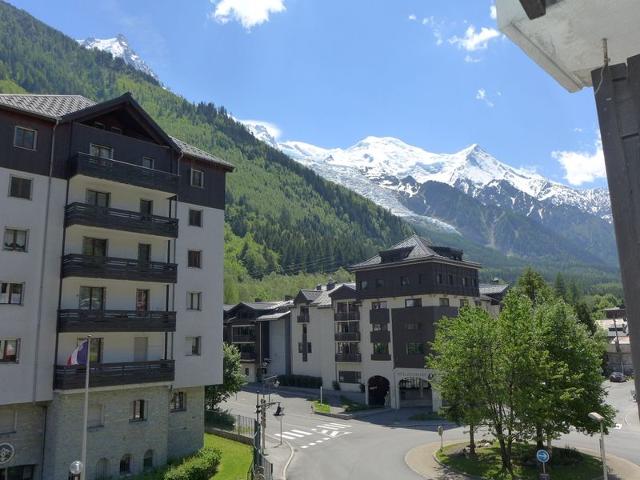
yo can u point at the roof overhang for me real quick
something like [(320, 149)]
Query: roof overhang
[(564, 37), (382, 266)]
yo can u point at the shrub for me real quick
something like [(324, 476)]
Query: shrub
[(303, 381), (220, 419), (201, 466)]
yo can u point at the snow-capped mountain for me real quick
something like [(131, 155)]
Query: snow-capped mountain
[(119, 48), (495, 204)]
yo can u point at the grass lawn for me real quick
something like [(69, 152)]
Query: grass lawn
[(236, 458), (565, 464), (321, 407)]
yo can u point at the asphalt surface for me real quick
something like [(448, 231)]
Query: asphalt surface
[(375, 447)]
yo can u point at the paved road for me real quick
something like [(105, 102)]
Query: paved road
[(374, 448)]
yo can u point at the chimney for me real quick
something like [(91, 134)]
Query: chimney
[(319, 287), (331, 284)]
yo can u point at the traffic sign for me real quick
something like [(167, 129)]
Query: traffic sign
[(543, 456)]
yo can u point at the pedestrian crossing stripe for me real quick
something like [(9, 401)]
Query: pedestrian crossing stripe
[(301, 432), (286, 437)]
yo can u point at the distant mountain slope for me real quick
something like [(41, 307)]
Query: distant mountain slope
[(119, 48)]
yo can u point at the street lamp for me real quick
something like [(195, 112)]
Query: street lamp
[(596, 417), (76, 468)]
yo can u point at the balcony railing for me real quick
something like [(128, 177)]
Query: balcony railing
[(116, 219), (380, 336), (243, 338), (303, 318), (76, 265), (348, 357), (116, 321), (380, 357), (247, 355), (346, 316), (110, 374), (347, 336), (123, 172)]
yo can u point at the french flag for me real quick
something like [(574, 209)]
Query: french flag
[(79, 355)]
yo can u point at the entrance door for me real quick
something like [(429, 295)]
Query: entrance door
[(140, 349), (142, 300), (378, 390)]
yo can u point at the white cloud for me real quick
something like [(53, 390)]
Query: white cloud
[(493, 12), (481, 95), (475, 40), (262, 129), (436, 28), (248, 12), (582, 167), (412, 17)]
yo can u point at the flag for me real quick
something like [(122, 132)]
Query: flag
[(79, 355)]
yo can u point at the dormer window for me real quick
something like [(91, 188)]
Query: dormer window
[(197, 178)]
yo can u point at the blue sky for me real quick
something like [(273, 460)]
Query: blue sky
[(433, 73)]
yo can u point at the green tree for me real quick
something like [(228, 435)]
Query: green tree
[(232, 379), (533, 286), (560, 286), (583, 315)]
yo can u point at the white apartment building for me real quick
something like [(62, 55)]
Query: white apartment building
[(112, 229)]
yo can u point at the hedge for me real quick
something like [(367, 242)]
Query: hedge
[(201, 466)]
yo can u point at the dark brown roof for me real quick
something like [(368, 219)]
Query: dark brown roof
[(192, 151)]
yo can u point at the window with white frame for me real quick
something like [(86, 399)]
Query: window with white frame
[(11, 293), (15, 240), (9, 350), (139, 411), (194, 301), (20, 187), (25, 138), (193, 346), (197, 178), (178, 402)]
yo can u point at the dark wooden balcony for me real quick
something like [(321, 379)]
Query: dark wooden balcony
[(76, 265), (116, 321), (123, 172), (111, 374), (116, 219), (380, 336), (348, 357), (346, 316), (243, 338), (347, 336), (380, 357), (379, 315), (303, 318)]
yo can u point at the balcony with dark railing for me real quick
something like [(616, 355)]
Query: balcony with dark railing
[(303, 318), (243, 338), (380, 336), (111, 374), (116, 321), (116, 219), (346, 316), (124, 172), (248, 355), (347, 336), (348, 357), (76, 265)]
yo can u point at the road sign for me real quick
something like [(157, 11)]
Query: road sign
[(542, 456)]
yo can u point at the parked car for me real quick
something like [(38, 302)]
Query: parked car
[(617, 377)]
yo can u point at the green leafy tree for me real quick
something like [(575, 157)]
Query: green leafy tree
[(583, 315), (533, 286), (560, 286), (232, 378)]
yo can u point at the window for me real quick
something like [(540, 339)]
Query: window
[(98, 199), (444, 302), (465, 281), (194, 301), (144, 252), (420, 278), (379, 327), (413, 326), (8, 417), (92, 298), (193, 346), (147, 461), (20, 187), (450, 279), (439, 278), (25, 138), (412, 302), (103, 469), (464, 302), (381, 348), (95, 354), (379, 282), (138, 411), (178, 402), (125, 463), (11, 293), (195, 218), (9, 350), (142, 300), (146, 207), (101, 151), (415, 348), (301, 349), (246, 371), (194, 259), (378, 305), (15, 240), (348, 377), (148, 162), (197, 178), (95, 417), (94, 247), (364, 285), (404, 281)]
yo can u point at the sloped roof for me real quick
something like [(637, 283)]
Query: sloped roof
[(493, 289), (310, 294), (324, 299), (410, 249), (55, 107), (272, 316)]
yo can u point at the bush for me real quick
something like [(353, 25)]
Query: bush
[(221, 419), (303, 381), (336, 385), (201, 466)]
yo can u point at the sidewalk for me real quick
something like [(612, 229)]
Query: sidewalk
[(422, 461), (279, 456)]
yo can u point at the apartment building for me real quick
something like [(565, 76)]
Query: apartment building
[(373, 335), (262, 333), (616, 328), (111, 228)]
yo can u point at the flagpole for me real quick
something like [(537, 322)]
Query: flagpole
[(83, 458)]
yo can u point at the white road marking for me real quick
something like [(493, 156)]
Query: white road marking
[(332, 427), (312, 444), (296, 435), (284, 436), (304, 446), (301, 432)]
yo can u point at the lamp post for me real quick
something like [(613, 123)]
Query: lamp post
[(596, 417), (76, 468)]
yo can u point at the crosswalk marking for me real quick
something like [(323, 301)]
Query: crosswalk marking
[(326, 431), (301, 432), (284, 436)]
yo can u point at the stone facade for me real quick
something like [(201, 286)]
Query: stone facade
[(27, 437), (186, 428), (119, 435)]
